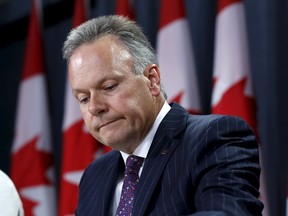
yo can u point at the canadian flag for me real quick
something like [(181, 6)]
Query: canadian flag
[(176, 58), (32, 166), (124, 7), (232, 87), (79, 148)]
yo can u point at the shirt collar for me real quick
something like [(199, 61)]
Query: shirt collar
[(143, 148)]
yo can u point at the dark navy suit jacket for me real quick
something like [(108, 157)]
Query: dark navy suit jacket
[(197, 165)]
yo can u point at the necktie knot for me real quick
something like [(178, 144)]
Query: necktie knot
[(133, 164)]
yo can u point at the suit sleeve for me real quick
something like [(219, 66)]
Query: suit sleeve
[(227, 169)]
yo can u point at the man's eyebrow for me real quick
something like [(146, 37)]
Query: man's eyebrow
[(78, 90), (74, 92), (99, 82)]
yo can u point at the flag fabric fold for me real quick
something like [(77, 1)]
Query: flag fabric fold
[(232, 81), (32, 164), (176, 57)]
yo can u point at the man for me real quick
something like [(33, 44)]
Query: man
[(193, 164)]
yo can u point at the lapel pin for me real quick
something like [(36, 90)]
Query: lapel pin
[(164, 151)]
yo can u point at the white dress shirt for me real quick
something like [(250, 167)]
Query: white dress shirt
[(141, 151)]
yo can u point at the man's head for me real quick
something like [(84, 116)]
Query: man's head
[(127, 31), (114, 74)]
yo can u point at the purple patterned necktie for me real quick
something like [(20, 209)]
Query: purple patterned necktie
[(131, 179)]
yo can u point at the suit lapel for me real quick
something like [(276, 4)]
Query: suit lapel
[(109, 183), (162, 147)]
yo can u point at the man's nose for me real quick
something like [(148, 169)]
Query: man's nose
[(97, 105)]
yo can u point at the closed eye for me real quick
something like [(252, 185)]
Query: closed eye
[(110, 87), (83, 100)]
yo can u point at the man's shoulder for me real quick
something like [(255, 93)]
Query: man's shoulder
[(210, 119), (204, 118), (212, 123), (179, 118)]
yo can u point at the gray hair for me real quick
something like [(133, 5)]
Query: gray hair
[(127, 31)]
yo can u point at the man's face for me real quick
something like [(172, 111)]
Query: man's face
[(118, 106)]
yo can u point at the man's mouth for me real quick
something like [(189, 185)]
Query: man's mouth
[(107, 123)]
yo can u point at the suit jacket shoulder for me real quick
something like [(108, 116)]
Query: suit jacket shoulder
[(200, 163)]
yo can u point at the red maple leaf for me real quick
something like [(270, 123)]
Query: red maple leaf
[(28, 168), (76, 142), (235, 102)]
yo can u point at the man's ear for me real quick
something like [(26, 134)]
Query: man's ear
[(152, 73)]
